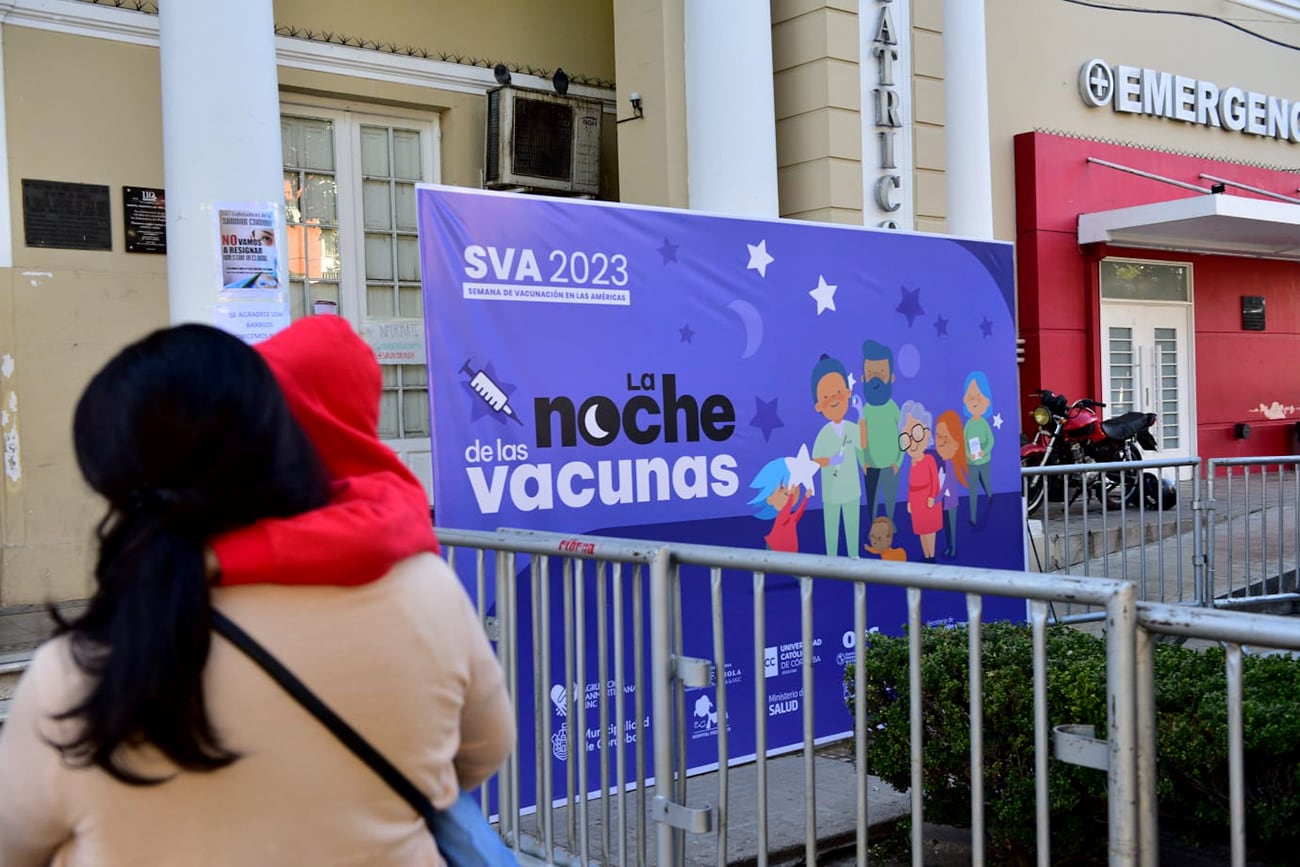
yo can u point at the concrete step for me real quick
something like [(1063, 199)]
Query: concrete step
[(1057, 547)]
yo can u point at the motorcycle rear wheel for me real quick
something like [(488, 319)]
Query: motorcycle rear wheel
[(1122, 487)]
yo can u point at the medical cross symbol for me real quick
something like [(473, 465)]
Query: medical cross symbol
[(1100, 83), (1096, 83)]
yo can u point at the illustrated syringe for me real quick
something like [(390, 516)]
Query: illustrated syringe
[(489, 391)]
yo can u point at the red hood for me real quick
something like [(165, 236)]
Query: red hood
[(332, 382), (378, 514)]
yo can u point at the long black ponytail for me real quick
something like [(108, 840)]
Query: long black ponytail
[(187, 435)]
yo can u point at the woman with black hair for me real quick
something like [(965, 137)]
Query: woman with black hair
[(134, 738)]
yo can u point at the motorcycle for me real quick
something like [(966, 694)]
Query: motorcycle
[(1076, 433)]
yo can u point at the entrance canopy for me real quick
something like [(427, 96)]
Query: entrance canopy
[(1222, 223)]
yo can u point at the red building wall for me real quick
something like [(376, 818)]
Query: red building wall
[(1239, 374)]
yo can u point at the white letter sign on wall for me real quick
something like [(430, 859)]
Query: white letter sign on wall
[(886, 71), (1138, 90)]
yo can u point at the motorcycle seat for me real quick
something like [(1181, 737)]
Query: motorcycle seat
[(1128, 425)]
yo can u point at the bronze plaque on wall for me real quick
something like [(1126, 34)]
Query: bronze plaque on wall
[(68, 216), (145, 216)]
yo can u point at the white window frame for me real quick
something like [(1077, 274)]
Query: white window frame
[(348, 118)]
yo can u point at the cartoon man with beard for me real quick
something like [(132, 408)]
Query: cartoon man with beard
[(878, 426)]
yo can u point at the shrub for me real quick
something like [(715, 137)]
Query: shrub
[(1191, 732)]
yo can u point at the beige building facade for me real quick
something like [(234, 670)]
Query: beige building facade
[(871, 109)]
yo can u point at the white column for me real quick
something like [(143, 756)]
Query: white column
[(730, 108), (221, 134), (966, 123)]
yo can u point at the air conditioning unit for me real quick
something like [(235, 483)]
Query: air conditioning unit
[(542, 141)]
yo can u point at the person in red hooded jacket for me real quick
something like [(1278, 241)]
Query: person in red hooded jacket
[(378, 513)]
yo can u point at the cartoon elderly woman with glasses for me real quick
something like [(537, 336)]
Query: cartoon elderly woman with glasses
[(924, 484)]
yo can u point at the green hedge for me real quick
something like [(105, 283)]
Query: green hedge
[(1191, 705)]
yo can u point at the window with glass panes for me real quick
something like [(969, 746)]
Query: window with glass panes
[(390, 166), (349, 187), (311, 212)]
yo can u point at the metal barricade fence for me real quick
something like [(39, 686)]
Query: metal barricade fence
[(633, 818), (1090, 525), (570, 827), (1239, 632), (1231, 539), (555, 820), (1252, 533)]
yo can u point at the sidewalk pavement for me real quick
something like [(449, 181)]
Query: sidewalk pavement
[(836, 811)]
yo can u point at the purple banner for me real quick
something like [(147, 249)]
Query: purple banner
[(648, 373)]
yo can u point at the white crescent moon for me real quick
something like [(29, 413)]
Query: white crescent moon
[(753, 322), (592, 425)]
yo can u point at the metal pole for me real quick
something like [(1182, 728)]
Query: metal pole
[(1043, 831), (914, 717), (975, 659), (720, 705), (661, 690), (602, 669), (1145, 680), (1121, 629), (760, 719), (860, 713), (1236, 757), (809, 730), (620, 714)]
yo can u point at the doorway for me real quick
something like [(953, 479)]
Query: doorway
[(1146, 337)]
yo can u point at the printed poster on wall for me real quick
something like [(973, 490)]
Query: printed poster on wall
[(656, 374), (250, 257), (252, 302)]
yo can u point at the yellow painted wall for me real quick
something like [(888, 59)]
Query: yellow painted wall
[(64, 312), (574, 34), (818, 100), (649, 38)]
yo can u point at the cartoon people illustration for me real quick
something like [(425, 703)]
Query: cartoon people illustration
[(881, 535), (952, 472), (977, 398), (923, 490), (836, 452), (779, 500), (878, 428)]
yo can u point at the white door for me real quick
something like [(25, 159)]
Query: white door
[(1146, 353)]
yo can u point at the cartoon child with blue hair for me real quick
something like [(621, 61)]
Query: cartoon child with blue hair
[(977, 399), (776, 499)]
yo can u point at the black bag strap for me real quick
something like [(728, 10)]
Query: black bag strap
[(349, 736)]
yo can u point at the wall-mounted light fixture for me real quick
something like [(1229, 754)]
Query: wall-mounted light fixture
[(635, 98), (1241, 430), (1215, 189)]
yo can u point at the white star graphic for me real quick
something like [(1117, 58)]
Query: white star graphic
[(802, 469), (825, 295), (997, 420), (759, 258), (852, 382)]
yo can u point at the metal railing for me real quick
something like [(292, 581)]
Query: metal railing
[(1237, 631), (604, 619), (574, 811), (1252, 533), (1231, 539)]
